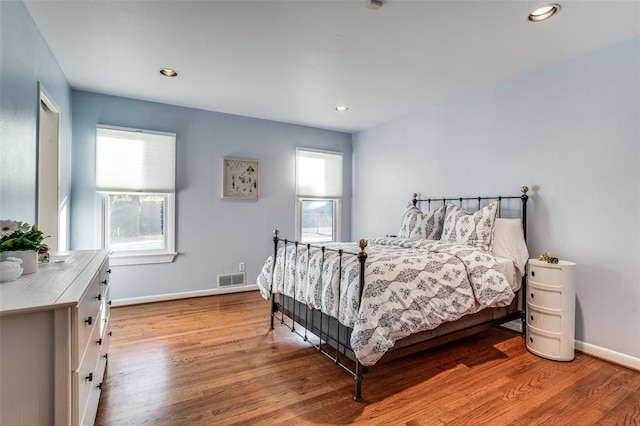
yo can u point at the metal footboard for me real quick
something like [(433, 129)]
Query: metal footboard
[(322, 331)]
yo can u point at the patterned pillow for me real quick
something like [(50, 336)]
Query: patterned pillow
[(416, 224), (475, 229)]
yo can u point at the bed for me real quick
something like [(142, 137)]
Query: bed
[(455, 268)]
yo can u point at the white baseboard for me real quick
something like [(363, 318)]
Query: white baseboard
[(185, 295), (609, 355)]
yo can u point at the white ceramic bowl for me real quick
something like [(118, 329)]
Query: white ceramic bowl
[(6, 276), (9, 271)]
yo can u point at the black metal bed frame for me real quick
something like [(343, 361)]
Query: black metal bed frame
[(332, 338)]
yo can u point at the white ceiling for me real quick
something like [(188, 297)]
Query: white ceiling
[(294, 61)]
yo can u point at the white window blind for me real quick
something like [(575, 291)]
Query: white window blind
[(135, 161), (319, 173)]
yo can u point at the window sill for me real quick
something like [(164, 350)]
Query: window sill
[(140, 259)]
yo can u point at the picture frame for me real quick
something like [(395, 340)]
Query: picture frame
[(240, 178)]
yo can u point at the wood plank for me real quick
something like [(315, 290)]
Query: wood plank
[(213, 360)]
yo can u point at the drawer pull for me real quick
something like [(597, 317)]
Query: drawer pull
[(531, 317), (105, 356), (99, 341), (99, 386), (99, 297), (89, 377), (531, 339), (533, 273), (109, 302), (109, 271), (533, 296), (104, 282), (110, 333), (89, 320)]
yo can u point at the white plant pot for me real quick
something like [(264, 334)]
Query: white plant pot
[(29, 259)]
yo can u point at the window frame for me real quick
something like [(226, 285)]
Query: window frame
[(337, 215), (337, 200), (139, 257)]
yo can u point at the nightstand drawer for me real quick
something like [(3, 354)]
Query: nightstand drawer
[(546, 346), (548, 299), (544, 321), (548, 276)]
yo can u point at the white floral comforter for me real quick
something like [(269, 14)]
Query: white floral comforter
[(410, 286)]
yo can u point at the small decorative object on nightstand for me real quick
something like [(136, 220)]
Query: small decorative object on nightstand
[(551, 307)]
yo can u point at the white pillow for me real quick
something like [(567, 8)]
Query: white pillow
[(508, 241)]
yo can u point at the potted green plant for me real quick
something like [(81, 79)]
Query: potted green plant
[(18, 239)]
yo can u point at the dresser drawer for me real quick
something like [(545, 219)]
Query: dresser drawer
[(549, 276), (106, 306), (84, 318), (106, 338), (551, 322), (84, 379), (93, 399), (105, 276), (102, 365), (544, 298)]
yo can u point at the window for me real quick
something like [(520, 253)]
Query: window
[(318, 195), (135, 175)]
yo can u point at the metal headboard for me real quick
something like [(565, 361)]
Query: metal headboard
[(523, 197)]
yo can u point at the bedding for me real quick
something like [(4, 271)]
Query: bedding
[(411, 285), (508, 241), (510, 271)]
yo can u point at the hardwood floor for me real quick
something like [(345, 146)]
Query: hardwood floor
[(213, 360)]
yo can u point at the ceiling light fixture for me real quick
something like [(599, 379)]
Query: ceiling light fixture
[(342, 108), (168, 72), (374, 4), (544, 12)]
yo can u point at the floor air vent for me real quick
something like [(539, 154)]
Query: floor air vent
[(227, 280)]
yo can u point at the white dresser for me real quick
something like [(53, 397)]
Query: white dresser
[(54, 337), (551, 307)]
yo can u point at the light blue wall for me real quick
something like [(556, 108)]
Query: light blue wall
[(572, 133), (25, 60), (213, 235)]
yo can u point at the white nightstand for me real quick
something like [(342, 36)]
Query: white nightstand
[(551, 308)]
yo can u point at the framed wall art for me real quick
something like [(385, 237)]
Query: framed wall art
[(240, 178)]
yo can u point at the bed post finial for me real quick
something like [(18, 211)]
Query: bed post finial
[(524, 197), (276, 232), (362, 244), (415, 199)]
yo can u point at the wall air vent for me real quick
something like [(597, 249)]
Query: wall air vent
[(228, 280)]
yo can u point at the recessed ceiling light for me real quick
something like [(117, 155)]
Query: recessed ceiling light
[(342, 108), (168, 72), (544, 12)]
